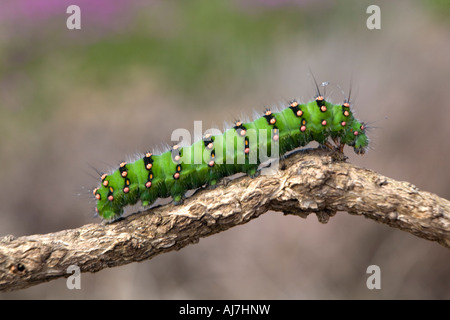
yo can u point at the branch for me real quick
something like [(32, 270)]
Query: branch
[(309, 181)]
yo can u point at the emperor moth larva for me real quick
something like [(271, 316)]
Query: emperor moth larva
[(239, 149)]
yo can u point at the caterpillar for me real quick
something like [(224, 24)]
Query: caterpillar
[(240, 149)]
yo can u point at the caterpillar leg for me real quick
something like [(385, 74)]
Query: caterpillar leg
[(329, 145), (336, 141), (254, 173), (223, 181), (212, 184), (146, 203), (339, 144), (177, 199), (341, 147)]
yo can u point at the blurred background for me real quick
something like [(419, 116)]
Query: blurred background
[(74, 100)]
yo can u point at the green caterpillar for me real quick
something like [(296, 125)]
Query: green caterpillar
[(241, 148)]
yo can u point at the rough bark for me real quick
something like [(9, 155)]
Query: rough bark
[(310, 181)]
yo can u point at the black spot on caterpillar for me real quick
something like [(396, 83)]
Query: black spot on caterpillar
[(241, 148)]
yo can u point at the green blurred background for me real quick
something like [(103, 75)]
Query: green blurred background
[(74, 100)]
